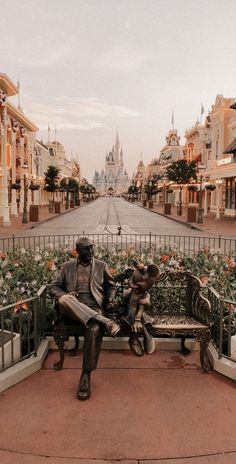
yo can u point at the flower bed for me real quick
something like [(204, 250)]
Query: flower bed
[(23, 272)]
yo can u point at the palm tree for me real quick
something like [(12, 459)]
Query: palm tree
[(181, 172), (51, 180)]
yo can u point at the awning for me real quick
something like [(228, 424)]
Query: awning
[(231, 147)]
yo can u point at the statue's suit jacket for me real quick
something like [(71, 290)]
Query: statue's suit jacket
[(102, 285)]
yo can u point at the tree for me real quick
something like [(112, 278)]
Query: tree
[(133, 190), (181, 172), (51, 179), (150, 189), (70, 185)]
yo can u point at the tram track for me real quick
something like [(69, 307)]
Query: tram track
[(111, 221)]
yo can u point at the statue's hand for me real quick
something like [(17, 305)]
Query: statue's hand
[(137, 326), (111, 306)]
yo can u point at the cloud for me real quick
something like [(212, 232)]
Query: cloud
[(50, 58), (124, 59), (76, 113)]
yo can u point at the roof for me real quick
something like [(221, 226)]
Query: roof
[(231, 147)]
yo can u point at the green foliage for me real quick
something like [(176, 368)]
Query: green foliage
[(71, 186), (51, 178), (133, 189), (182, 172), (150, 189)]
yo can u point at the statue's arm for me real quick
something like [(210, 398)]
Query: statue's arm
[(57, 288)]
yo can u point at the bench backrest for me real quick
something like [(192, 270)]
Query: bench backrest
[(178, 293)]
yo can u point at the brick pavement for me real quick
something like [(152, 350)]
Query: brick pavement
[(158, 409)]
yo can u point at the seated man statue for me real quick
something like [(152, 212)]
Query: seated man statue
[(84, 290), (138, 299)]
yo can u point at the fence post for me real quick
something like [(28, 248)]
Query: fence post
[(150, 240), (13, 242), (219, 244), (221, 327)]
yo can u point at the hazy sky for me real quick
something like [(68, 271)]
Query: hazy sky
[(91, 66)]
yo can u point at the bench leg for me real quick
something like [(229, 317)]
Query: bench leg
[(184, 349), (204, 358), (60, 342)]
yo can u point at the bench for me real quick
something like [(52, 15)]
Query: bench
[(177, 305)]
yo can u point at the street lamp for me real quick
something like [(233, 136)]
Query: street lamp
[(219, 182), (200, 208), (25, 204), (67, 192)]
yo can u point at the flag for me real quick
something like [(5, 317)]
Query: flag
[(202, 109), (172, 119), (48, 128)]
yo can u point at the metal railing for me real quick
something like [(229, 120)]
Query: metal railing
[(22, 326), (189, 244), (223, 324)]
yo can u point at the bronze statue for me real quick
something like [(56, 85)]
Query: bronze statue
[(85, 290), (138, 300)]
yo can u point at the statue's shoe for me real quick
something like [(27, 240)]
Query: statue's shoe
[(135, 345), (84, 392), (149, 344)]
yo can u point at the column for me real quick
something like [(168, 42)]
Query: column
[(13, 192), (218, 198), (4, 202)]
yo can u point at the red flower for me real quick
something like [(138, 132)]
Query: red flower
[(165, 258), (74, 253)]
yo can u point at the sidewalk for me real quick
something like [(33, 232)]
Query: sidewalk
[(225, 226), (158, 409), (18, 228)]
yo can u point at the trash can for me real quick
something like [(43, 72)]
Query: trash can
[(57, 207), (144, 202), (72, 203), (167, 208), (150, 204), (191, 214), (34, 213)]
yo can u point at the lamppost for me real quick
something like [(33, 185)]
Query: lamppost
[(25, 204), (200, 208), (164, 178), (219, 182), (67, 192)]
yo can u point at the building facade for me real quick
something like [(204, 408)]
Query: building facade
[(17, 151), (213, 146)]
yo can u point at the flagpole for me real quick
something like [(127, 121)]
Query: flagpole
[(48, 133)]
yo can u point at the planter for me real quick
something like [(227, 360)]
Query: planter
[(6, 345), (15, 186), (167, 208), (150, 204), (192, 188), (144, 202), (211, 188), (191, 214), (34, 187)]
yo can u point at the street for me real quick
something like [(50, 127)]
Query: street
[(105, 215)]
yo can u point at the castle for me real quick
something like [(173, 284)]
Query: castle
[(114, 178)]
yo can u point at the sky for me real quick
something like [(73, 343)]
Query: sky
[(91, 67)]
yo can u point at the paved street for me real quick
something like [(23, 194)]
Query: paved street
[(106, 215)]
